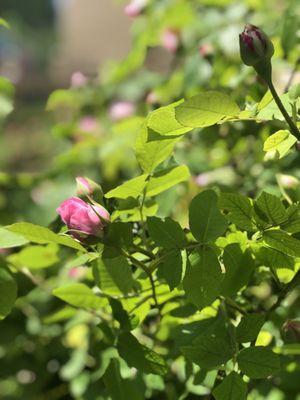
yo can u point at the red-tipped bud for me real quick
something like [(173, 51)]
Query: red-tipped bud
[(255, 46)]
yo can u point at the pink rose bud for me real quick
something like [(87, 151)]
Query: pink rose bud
[(83, 219), (77, 272), (134, 8), (87, 187), (170, 40), (78, 80), (88, 124), (255, 46), (288, 181), (121, 110)]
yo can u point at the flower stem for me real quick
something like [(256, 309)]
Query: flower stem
[(281, 107)]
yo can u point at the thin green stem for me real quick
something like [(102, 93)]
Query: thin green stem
[(281, 107)]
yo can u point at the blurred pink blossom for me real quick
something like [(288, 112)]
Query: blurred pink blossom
[(170, 40), (152, 98), (134, 8), (202, 179), (121, 110), (77, 272), (78, 80), (206, 49), (88, 124)]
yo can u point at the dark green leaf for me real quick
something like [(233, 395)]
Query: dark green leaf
[(238, 269), (281, 241), (270, 209), (205, 220), (231, 388), (171, 269), (202, 282), (249, 327), (240, 210), (258, 362), (166, 233), (139, 356)]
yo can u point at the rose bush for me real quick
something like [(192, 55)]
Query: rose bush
[(190, 286)]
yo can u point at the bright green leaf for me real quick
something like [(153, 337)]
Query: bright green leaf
[(79, 295), (40, 234), (239, 208), (164, 180), (281, 241), (9, 239), (8, 292), (280, 143), (206, 109), (132, 188), (270, 208)]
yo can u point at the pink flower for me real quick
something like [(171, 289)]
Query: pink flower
[(121, 110), (152, 98), (202, 179), (88, 124), (134, 8), (170, 40), (78, 80), (83, 218), (87, 187), (77, 272), (206, 49)]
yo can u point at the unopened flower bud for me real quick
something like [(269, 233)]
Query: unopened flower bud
[(87, 187), (255, 46), (170, 40), (83, 219)]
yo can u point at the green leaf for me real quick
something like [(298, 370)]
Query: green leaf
[(239, 267), (206, 109), (205, 220), (163, 121), (132, 188), (281, 241), (8, 292), (120, 314), (171, 269), (292, 224), (274, 259), (118, 268), (249, 327), (271, 111), (63, 98), (258, 362), (139, 356), (152, 153), (202, 281), (166, 233), (35, 257), (279, 143), (231, 388), (79, 295), (9, 239), (164, 180), (119, 388), (270, 208), (41, 235), (240, 210), (209, 351)]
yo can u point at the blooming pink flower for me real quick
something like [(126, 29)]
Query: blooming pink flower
[(83, 218), (134, 8), (121, 110), (88, 124), (170, 40), (78, 80)]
